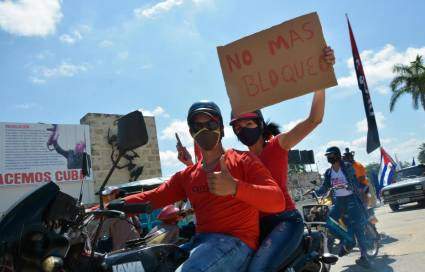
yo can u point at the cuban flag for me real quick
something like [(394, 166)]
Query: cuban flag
[(387, 169)]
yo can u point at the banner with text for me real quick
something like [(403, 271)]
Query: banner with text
[(276, 64), (38, 153)]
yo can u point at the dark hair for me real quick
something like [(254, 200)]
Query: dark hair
[(270, 129)]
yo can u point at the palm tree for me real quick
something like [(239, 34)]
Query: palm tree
[(421, 155), (409, 79)]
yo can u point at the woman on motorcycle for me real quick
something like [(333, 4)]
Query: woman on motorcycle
[(280, 233)]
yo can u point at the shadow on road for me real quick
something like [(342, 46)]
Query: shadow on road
[(381, 264), (386, 239)]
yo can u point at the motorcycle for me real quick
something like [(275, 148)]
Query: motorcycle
[(46, 230), (324, 203)]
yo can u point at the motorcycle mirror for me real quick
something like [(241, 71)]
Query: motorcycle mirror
[(132, 132)]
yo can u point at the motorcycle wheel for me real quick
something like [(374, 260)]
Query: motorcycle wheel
[(316, 267), (372, 238)]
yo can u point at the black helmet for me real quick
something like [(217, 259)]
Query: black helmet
[(348, 152), (333, 150), (204, 106), (249, 115)]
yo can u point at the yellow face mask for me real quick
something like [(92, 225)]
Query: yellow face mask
[(207, 139)]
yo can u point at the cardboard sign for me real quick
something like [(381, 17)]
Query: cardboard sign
[(276, 64)]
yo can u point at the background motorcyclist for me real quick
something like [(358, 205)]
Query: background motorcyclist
[(347, 201)]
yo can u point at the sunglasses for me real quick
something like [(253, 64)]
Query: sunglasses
[(210, 125)]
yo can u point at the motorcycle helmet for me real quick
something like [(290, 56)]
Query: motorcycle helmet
[(206, 107), (333, 150), (169, 214)]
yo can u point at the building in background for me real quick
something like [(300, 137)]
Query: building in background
[(33, 154), (146, 164)]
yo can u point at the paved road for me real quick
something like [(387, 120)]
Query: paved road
[(403, 243)]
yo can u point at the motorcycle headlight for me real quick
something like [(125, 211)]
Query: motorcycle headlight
[(35, 244), (418, 187), (386, 193)]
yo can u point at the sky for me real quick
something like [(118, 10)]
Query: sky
[(60, 60)]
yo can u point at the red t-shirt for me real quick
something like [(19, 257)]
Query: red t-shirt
[(275, 158), (238, 215)]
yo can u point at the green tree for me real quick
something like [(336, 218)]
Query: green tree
[(409, 79), (296, 168), (421, 155), (371, 169)]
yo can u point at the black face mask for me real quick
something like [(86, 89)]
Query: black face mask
[(332, 160), (249, 136), (207, 139)]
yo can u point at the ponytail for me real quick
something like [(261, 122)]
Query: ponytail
[(270, 129)]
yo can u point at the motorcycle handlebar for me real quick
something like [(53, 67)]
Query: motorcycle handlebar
[(107, 213), (136, 208)]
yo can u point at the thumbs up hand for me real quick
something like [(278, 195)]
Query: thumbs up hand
[(221, 183)]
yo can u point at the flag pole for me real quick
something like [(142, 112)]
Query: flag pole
[(373, 141)]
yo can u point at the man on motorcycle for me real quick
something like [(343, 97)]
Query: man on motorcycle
[(227, 189), (347, 200)]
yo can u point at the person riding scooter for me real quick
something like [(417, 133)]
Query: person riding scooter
[(347, 201)]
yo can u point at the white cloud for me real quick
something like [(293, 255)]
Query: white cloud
[(106, 44), (407, 149), (158, 111), (37, 80), (362, 125), (359, 143), (146, 66), (156, 9), (169, 158), (228, 133), (291, 125), (26, 106), (122, 55), (44, 55), (383, 89), (180, 127), (199, 3), (30, 17), (378, 66), (42, 74), (72, 38)]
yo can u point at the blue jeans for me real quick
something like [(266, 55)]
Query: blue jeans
[(216, 252), (283, 233), (350, 207)]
